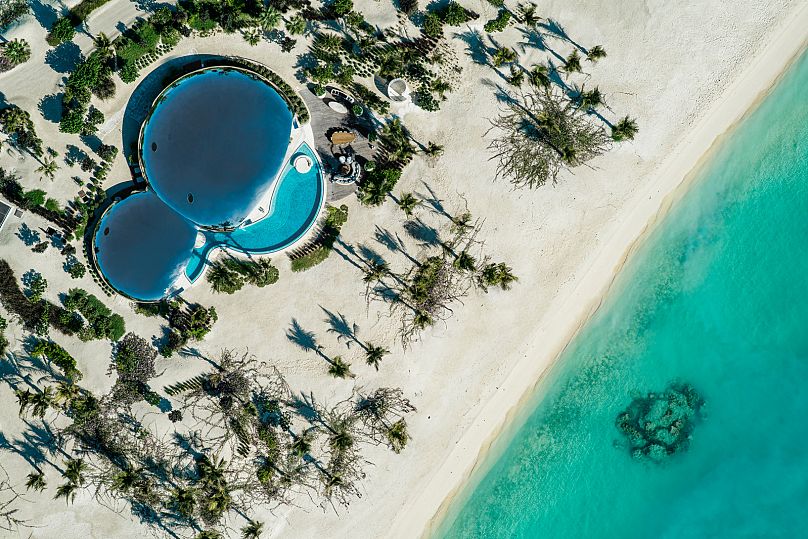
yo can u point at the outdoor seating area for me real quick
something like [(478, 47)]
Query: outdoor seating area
[(342, 142), (349, 170)]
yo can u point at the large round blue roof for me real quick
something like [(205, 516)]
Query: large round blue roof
[(214, 143), (142, 246)]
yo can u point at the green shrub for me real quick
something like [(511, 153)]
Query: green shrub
[(101, 322), (76, 269), (107, 152), (61, 31), (129, 73), (376, 184), (72, 121), (341, 7), (35, 197), (433, 26), (311, 259), (52, 204), (82, 10), (498, 24), (454, 14), (58, 356)]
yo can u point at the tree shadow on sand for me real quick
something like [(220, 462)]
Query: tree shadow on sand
[(64, 58)]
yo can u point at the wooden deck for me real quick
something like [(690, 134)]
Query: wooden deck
[(325, 121)]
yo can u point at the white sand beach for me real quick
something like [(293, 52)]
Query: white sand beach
[(686, 72)]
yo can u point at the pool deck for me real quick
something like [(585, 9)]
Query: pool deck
[(324, 120)]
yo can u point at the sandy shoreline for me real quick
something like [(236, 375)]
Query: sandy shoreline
[(650, 207)]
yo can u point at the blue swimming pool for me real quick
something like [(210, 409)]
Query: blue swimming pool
[(295, 204), (142, 246), (214, 144)]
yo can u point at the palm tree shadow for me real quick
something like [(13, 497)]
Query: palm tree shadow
[(532, 39), (502, 95), (426, 235), (304, 407), (306, 340), (368, 254), (475, 47), (344, 329), (392, 242), (554, 27)]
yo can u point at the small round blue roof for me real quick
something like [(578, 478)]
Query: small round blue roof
[(142, 246)]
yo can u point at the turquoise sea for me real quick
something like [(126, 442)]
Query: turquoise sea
[(717, 297)]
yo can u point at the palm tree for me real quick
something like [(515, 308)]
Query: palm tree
[(17, 51), (23, 399), (67, 491), (341, 438), (41, 401), (103, 44), (517, 76), (422, 319), (397, 435), (125, 480), (48, 168), (270, 18), (223, 280), (211, 472), (502, 56), (218, 499), (184, 501), (302, 444), (569, 155), (375, 271), (465, 262), (433, 149), (497, 275), (328, 41), (252, 530), (590, 100), (374, 354), (595, 53), (66, 390), (408, 202), (573, 62), (36, 481), (296, 25), (339, 368), (624, 129), (529, 17), (74, 471), (540, 76), (252, 36)]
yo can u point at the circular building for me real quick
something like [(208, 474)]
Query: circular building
[(142, 246), (214, 143)]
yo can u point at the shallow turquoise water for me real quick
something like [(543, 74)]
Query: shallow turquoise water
[(717, 297)]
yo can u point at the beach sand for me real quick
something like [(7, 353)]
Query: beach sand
[(686, 72)]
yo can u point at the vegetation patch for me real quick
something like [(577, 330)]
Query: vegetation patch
[(335, 218), (32, 313), (230, 274), (659, 425), (58, 356), (102, 323), (11, 11)]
